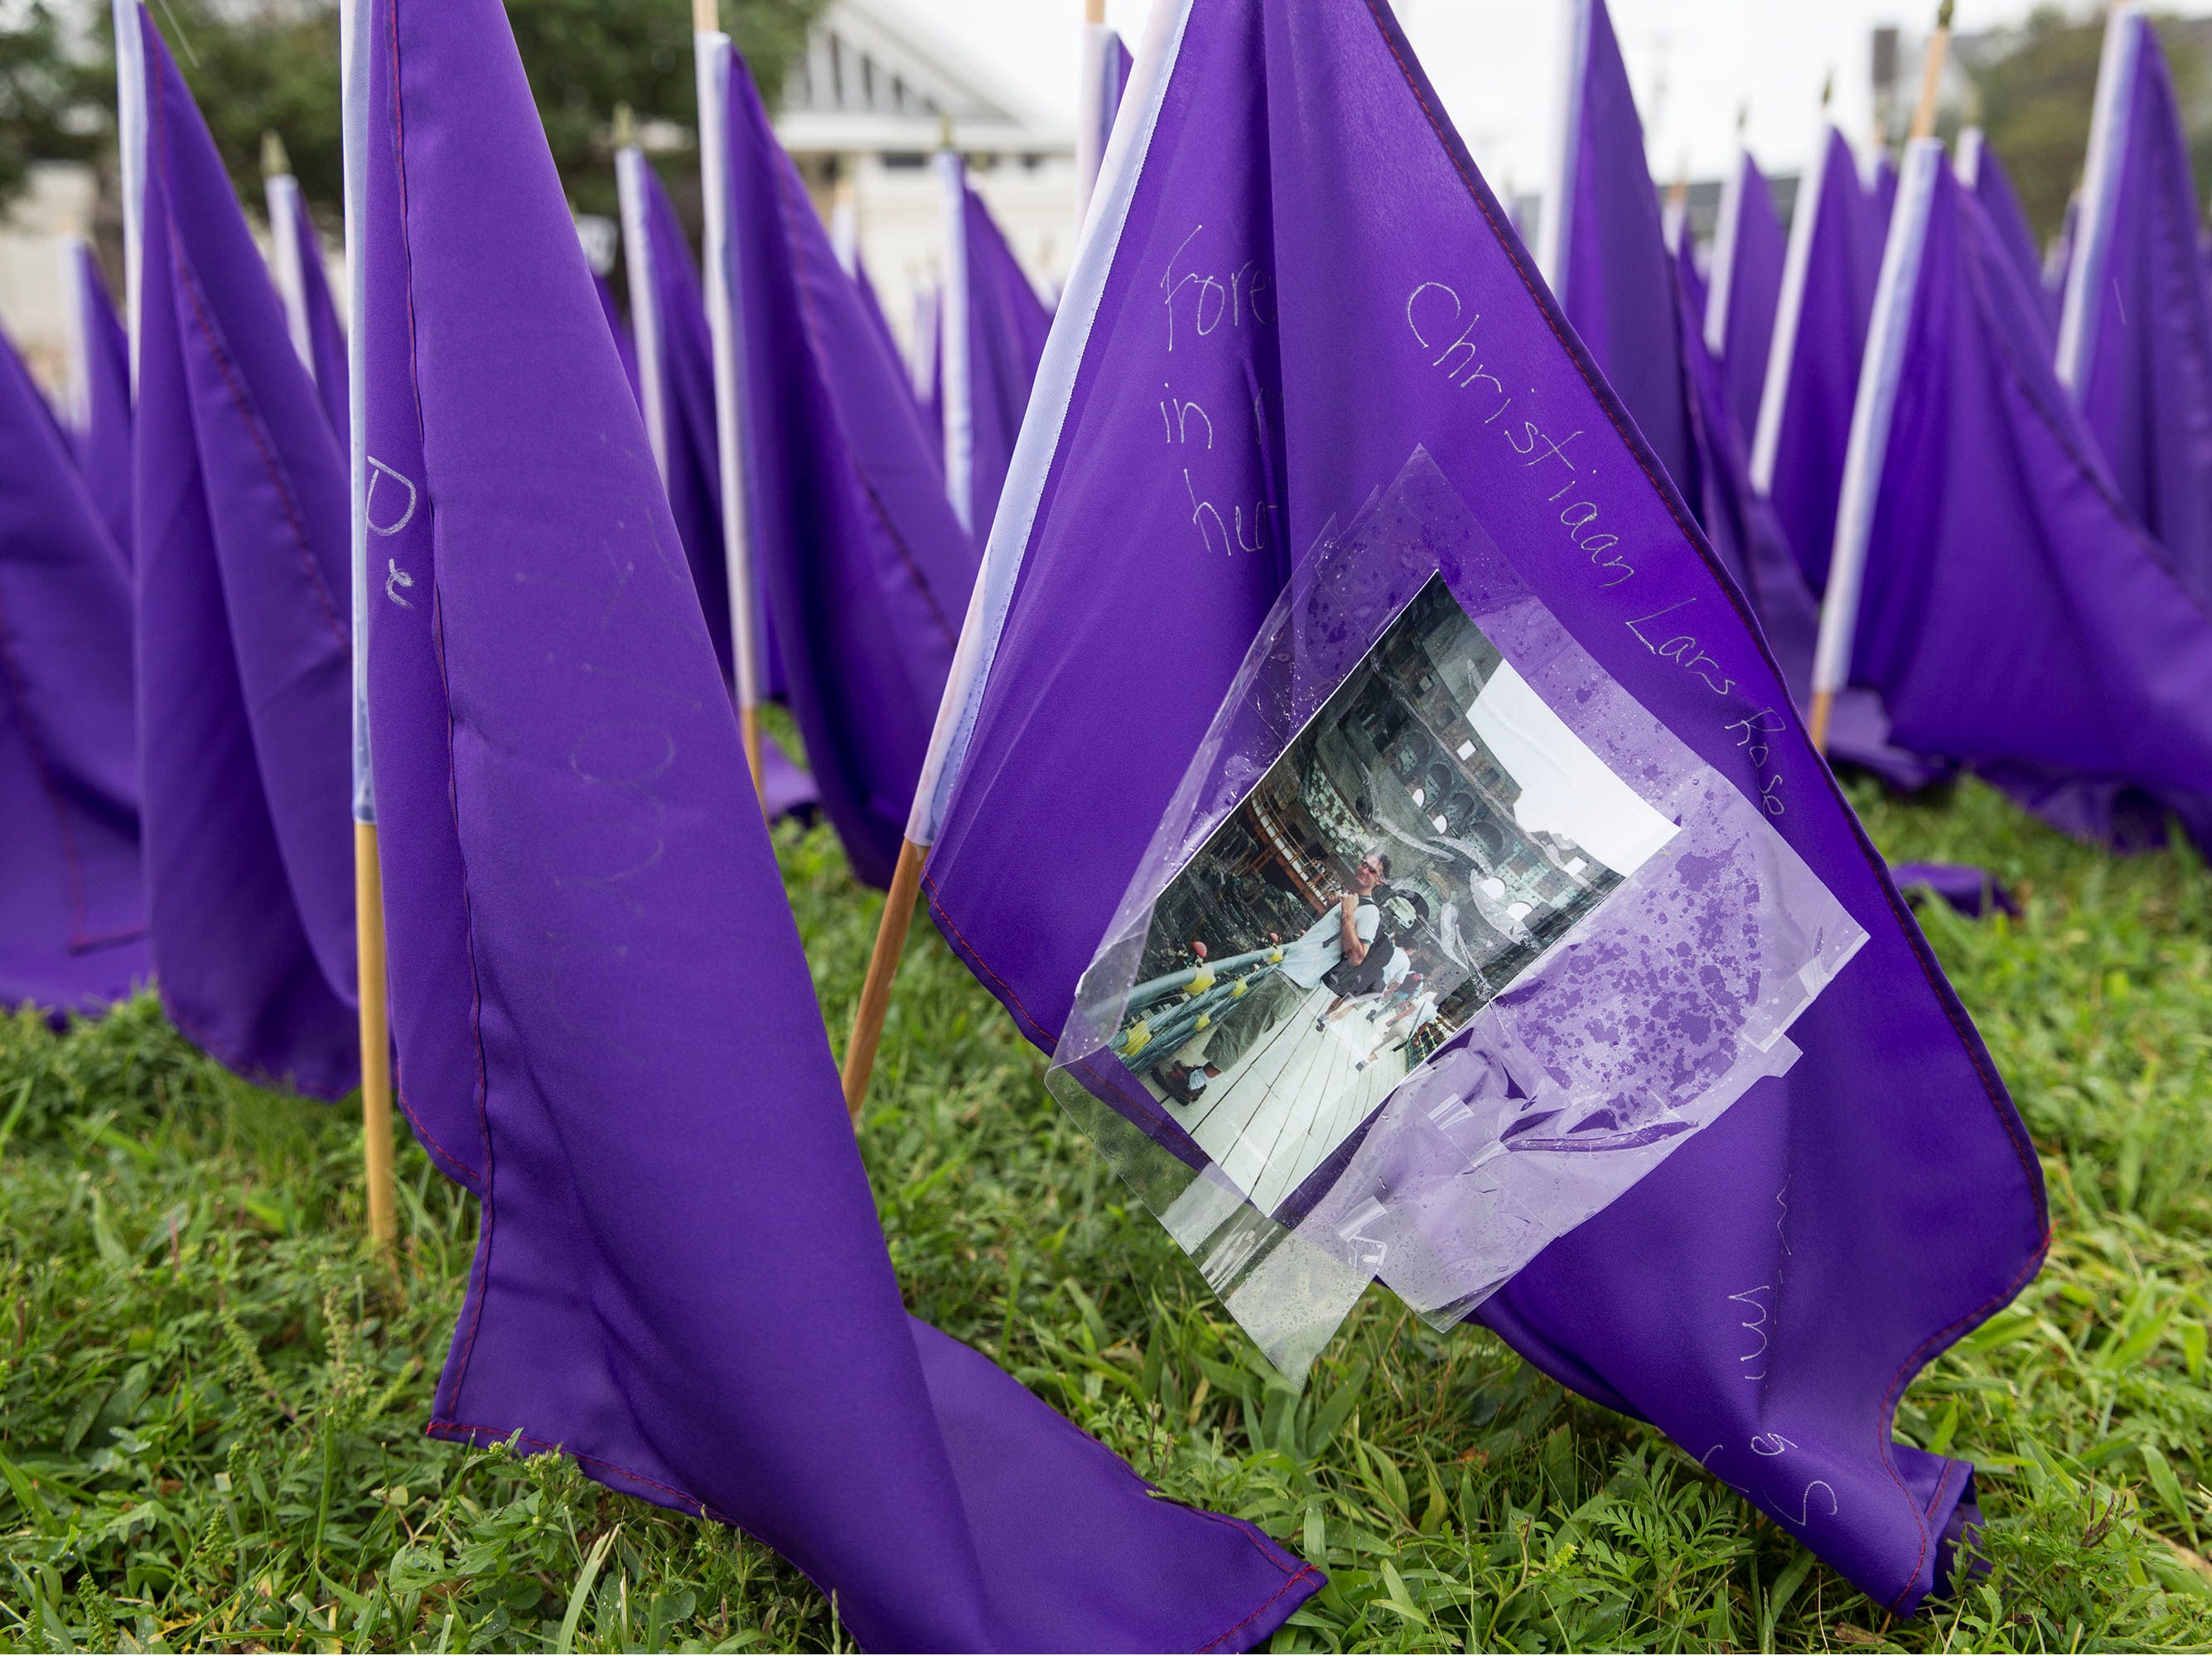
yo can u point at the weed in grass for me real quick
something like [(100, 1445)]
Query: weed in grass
[(211, 1396)]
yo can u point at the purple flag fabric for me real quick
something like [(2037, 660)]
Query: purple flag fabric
[(1969, 889), (326, 340), (679, 1278), (928, 377), (1606, 252), (244, 666), (624, 347), (2135, 339), (103, 445), (2012, 612), (992, 341), (1881, 186), (1747, 537), (2059, 259), (72, 905), (1813, 368), (863, 571), (1769, 1291), (1985, 178), (1747, 285), (684, 378)]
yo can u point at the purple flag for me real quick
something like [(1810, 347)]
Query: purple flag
[(2010, 610), (1604, 252), (72, 907), (244, 665), (1985, 179), (103, 439), (1105, 75), (676, 373), (2058, 259), (1748, 251), (1747, 535), (995, 328), (1812, 368), (1766, 1294), (679, 1278), (1880, 186), (845, 241), (301, 282), (863, 570), (929, 365), (2135, 339), (625, 348)]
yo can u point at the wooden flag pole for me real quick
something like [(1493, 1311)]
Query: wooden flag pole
[(1094, 11), (369, 976), (375, 1042), (883, 971), (1924, 126), (1931, 72)]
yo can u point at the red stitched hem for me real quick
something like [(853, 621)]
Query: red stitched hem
[(431, 1138), (1221, 1638)]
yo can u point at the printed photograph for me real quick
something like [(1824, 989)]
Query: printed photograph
[(1433, 831)]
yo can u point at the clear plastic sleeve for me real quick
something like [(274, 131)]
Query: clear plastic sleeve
[(1443, 943)]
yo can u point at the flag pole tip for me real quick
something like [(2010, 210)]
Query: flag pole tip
[(705, 16), (625, 133), (1094, 11), (274, 163)]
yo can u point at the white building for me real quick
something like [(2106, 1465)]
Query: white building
[(865, 108)]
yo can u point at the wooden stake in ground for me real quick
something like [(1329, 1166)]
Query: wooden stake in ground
[(1924, 126), (710, 49), (883, 970), (375, 1039)]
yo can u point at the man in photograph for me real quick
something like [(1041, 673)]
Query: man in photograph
[(1342, 931)]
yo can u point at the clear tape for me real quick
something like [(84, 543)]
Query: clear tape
[(1611, 942)]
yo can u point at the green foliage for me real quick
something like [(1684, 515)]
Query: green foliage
[(2036, 94), (37, 85), (211, 1396), (258, 66)]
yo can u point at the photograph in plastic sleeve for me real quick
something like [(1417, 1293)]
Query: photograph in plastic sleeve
[(1425, 840), (1445, 942)]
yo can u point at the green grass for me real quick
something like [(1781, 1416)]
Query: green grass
[(211, 1397)]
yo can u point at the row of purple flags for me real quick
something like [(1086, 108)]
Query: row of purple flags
[(967, 610)]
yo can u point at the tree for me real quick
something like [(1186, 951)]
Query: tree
[(2037, 86), (259, 66)]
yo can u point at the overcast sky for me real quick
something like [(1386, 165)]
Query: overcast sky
[(1496, 64)]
